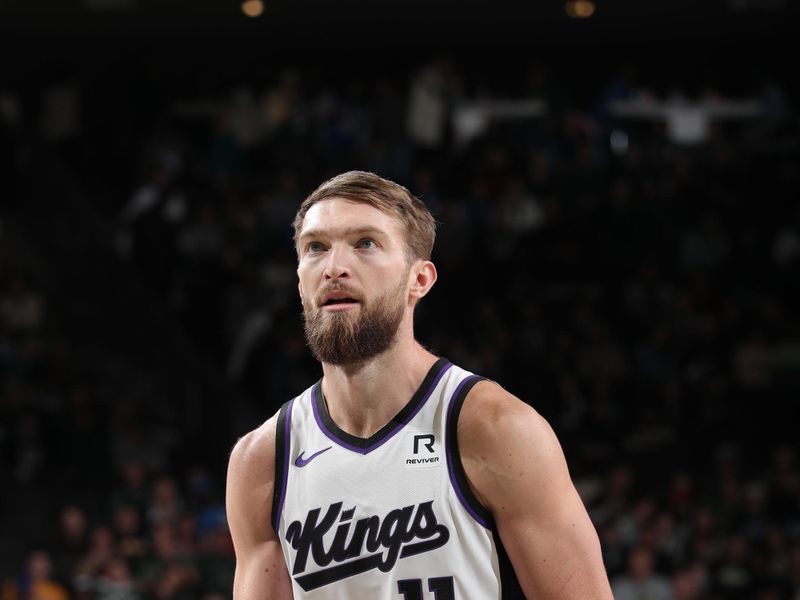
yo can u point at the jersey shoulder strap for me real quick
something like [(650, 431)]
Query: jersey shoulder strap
[(282, 434), (458, 477)]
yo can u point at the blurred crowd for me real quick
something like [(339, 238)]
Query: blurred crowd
[(630, 272)]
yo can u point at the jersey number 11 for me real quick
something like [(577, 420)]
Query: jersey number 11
[(442, 588)]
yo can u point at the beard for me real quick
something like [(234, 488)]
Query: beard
[(341, 338)]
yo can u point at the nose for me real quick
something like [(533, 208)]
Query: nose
[(336, 263)]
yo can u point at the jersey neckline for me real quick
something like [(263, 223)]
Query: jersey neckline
[(400, 420)]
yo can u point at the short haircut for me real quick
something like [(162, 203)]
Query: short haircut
[(388, 197)]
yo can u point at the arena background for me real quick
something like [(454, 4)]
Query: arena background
[(619, 246)]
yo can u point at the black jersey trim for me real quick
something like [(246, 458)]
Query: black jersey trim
[(510, 589), (458, 478), (367, 445), (509, 583), (282, 440)]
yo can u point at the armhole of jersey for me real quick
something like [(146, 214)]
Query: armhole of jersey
[(510, 587), (282, 428), (458, 478)]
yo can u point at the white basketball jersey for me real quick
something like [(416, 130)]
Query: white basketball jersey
[(390, 516)]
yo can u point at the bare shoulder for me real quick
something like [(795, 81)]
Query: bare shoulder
[(504, 442), (493, 416), (516, 468), (255, 451), (260, 567), (251, 482)]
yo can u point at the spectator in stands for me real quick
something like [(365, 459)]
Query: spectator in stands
[(116, 582), (165, 504), (133, 490), (217, 562), (687, 584), (93, 564), (640, 581), (168, 571), (71, 542), (127, 524), (733, 578), (36, 583)]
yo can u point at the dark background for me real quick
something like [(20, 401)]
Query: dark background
[(643, 300)]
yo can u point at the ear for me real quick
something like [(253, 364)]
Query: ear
[(424, 273)]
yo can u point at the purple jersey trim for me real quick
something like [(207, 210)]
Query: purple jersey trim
[(386, 437), (452, 442), (286, 447)]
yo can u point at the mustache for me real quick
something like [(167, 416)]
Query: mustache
[(339, 288)]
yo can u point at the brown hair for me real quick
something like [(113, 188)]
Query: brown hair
[(388, 197)]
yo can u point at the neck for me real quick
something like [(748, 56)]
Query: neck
[(363, 398)]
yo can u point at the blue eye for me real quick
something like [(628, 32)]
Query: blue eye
[(313, 247), (367, 243)]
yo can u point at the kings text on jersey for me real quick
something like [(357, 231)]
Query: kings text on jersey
[(371, 542)]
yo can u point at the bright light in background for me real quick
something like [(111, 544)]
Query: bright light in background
[(253, 8), (580, 9)]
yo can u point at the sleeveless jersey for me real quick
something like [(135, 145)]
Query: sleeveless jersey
[(390, 516)]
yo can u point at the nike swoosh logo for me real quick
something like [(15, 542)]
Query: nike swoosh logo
[(302, 462)]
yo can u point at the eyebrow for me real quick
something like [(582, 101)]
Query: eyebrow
[(312, 233)]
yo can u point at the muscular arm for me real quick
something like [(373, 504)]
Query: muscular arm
[(516, 468), (260, 568)]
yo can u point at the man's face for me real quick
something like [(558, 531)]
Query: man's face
[(353, 280)]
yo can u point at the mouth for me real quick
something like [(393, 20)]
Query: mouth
[(337, 302)]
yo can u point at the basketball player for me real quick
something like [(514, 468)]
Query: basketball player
[(398, 474)]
